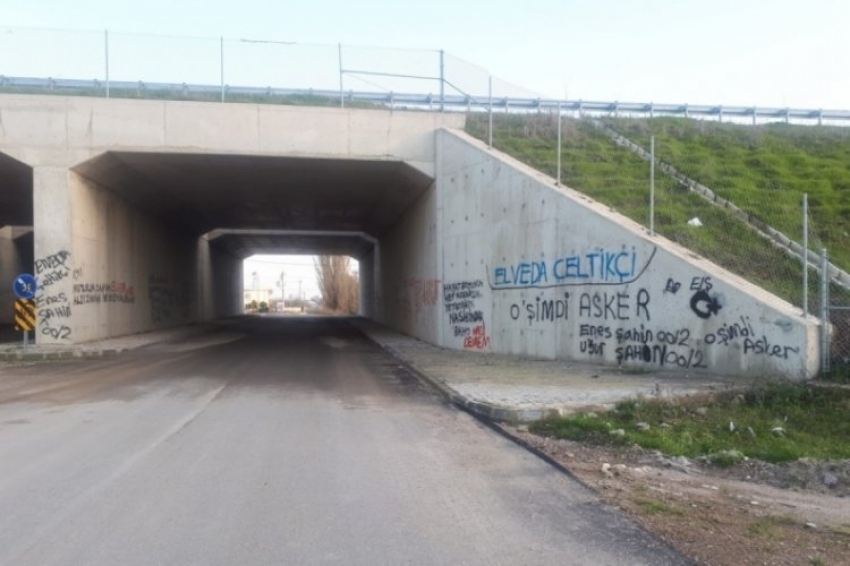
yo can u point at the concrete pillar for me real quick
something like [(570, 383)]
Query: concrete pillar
[(53, 254), (366, 264), (11, 264), (204, 306)]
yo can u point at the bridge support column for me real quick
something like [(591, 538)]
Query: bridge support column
[(14, 260), (53, 258)]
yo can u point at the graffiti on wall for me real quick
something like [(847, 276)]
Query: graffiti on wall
[(460, 300), (97, 293), (613, 318), (168, 300), (599, 266), (53, 306)]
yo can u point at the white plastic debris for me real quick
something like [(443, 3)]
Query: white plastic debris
[(695, 222)]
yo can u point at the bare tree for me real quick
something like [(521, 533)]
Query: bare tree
[(339, 286)]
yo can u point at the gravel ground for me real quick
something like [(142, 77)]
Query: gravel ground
[(751, 513)]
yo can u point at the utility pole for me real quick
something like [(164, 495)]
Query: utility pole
[(283, 290)]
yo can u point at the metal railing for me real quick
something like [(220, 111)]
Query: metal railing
[(220, 68)]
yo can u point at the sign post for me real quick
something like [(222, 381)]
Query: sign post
[(25, 287)]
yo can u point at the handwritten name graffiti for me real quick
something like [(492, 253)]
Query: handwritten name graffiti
[(664, 348), (742, 332), (597, 267), (460, 299), (52, 268), (541, 310), (53, 306), (477, 339), (167, 300), (114, 292)]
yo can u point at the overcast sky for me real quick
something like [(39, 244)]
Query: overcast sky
[(748, 52), (775, 53)]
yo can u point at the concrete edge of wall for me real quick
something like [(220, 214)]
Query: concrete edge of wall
[(608, 213)]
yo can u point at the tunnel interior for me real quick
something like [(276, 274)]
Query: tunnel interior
[(16, 235), (161, 237)]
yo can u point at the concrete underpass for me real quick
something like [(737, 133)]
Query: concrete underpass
[(136, 215)]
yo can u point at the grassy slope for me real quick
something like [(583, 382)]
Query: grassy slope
[(593, 164), (764, 170)]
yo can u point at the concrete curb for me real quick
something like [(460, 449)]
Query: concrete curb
[(33, 355), (490, 411)]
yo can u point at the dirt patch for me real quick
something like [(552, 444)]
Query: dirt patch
[(751, 513)]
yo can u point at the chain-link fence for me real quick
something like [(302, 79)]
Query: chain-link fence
[(103, 63)]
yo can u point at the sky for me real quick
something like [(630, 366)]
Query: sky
[(769, 53), (734, 52)]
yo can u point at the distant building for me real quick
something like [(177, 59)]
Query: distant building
[(259, 295)]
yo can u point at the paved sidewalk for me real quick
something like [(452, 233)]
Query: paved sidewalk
[(514, 389), (100, 348)]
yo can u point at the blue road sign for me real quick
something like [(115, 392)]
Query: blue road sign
[(25, 286)]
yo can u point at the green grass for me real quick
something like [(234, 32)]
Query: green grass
[(769, 526), (650, 506), (593, 164), (814, 420), (764, 169)]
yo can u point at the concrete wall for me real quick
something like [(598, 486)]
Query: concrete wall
[(55, 130), (115, 271), (533, 270), (15, 258), (107, 269), (410, 271), (227, 283), (366, 265)]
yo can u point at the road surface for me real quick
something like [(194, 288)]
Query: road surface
[(277, 441)]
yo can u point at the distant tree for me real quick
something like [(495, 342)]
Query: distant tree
[(264, 307), (339, 286)]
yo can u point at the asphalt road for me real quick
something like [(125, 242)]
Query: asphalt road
[(277, 441)]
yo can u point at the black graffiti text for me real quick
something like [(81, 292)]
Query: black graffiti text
[(614, 306)]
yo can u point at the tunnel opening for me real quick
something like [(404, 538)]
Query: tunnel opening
[(16, 236), (301, 284), (159, 239)]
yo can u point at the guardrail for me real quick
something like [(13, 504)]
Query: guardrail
[(442, 101)]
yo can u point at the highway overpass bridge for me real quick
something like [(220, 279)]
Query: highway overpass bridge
[(136, 215)]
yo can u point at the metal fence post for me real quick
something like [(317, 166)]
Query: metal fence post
[(559, 143), (490, 90), (651, 185), (442, 81), (221, 65), (106, 58), (341, 92), (805, 255), (824, 309)]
